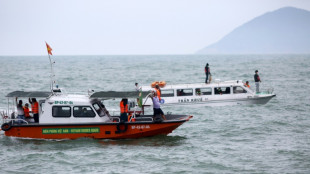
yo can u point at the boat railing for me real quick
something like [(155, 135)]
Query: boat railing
[(14, 120), (266, 91), (192, 85), (134, 116), (4, 116), (144, 119), (140, 119)]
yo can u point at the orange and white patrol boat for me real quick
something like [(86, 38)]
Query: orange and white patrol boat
[(64, 116)]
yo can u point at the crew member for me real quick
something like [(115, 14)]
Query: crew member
[(20, 111), (34, 109), (257, 80), (247, 84), (26, 111), (156, 106), (158, 91), (207, 72), (124, 109), (137, 87)]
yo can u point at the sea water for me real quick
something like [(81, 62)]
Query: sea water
[(270, 138)]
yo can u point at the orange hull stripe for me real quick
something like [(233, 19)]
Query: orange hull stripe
[(92, 131)]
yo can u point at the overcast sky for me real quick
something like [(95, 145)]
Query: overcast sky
[(121, 27)]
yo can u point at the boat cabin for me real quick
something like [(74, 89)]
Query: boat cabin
[(72, 109), (183, 93), (218, 93)]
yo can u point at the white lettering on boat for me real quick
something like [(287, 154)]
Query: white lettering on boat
[(140, 127), (63, 102), (186, 100)]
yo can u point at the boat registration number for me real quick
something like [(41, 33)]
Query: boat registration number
[(140, 127)]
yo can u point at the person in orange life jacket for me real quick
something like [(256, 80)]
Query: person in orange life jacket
[(20, 111), (34, 109), (156, 105), (124, 109), (247, 84), (26, 111), (158, 92)]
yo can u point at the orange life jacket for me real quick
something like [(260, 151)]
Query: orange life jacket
[(124, 109), (158, 94), (26, 111), (247, 85), (35, 107)]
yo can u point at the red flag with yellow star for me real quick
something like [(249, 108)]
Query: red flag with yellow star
[(49, 49)]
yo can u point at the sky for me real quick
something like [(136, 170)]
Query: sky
[(124, 27)]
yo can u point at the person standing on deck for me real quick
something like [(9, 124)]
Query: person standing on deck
[(20, 111), (158, 92), (26, 111), (34, 109), (257, 80), (156, 106), (124, 109), (207, 72), (137, 87)]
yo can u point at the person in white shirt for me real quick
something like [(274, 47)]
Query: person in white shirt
[(156, 105), (20, 111), (137, 87)]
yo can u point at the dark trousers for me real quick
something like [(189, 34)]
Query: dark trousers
[(158, 111), (207, 78), (36, 118), (123, 117)]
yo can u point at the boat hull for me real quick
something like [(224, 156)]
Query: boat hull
[(223, 102), (97, 131)]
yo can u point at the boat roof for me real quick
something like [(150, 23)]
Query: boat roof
[(118, 94), (29, 94)]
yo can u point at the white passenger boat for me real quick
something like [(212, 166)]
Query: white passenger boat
[(218, 93)]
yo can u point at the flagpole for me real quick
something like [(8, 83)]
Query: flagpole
[(49, 52), (52, 72)]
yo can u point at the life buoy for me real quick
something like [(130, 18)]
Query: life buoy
[(121, 127), (153, 84), (132, 119), (6, 126), (159, 83), (162, 84)]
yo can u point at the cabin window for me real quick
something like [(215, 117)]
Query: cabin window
[(167, 93), (221, 90), (203, 91), (238, 90), (184, 92), (83, 111), (61, 111)]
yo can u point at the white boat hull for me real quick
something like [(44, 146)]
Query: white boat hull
[(234, 93), (220, 102)]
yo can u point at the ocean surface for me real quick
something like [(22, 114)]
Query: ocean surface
[(270, 138)]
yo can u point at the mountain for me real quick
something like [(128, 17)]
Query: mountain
[(284, 31)]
